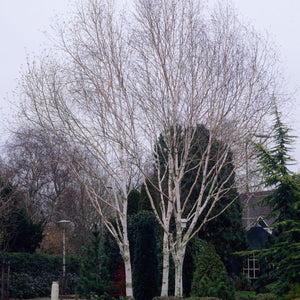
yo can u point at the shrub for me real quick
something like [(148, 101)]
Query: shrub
[(294, 291), (210, 277), (31, 275), (242, 283)]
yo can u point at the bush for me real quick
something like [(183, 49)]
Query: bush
[(242, 283), (294, 291), (210, 278), (267, 296)]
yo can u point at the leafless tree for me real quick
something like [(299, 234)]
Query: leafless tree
[(114, 89), (50, 191), (83, 98), (194, 68)]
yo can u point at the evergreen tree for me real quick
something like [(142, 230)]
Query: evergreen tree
[(226, 231), (210, 277), (94, 275), (19, 232), (145, 265), (283, 251)]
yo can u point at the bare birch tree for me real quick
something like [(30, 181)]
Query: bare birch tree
[(194, 68), (113, 91), (82, 97)]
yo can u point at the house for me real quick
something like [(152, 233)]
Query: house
[(257, 227)]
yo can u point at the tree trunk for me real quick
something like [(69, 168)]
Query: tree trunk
[(166, 265), (128, 270), (178, 262)]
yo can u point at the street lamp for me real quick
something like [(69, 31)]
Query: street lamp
[(63, 224)]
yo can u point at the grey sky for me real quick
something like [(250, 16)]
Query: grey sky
[(23, 25)]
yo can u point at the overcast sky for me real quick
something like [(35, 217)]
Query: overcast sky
[(23, 24)]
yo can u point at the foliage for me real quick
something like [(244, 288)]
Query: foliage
[(94, 276), (226, 231), (193, 249), (133, 202), (114, 260), (144, 204), (293, 292), (19, 232), (210, 277), (242, 283), (283, 252), (145, 264), (32, 274)]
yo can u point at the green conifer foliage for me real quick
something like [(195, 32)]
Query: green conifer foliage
[(145, 265), (133, 202), (283, 252), (94, 276), (210, 277)]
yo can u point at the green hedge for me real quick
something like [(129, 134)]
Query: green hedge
[(31, 275)]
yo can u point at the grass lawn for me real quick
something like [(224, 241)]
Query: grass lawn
[(249, 294)]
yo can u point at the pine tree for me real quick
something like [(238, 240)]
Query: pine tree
[(94, 276), (283, 252)]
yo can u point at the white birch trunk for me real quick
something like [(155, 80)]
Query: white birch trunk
[(128, 271), (166, 266), (178, 275)]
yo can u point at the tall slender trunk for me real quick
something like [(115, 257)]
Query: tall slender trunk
[(166, 266)]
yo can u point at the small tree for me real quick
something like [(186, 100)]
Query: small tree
[(94, 275), (210, 277)]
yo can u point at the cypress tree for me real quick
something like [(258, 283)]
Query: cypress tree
[(145, 265)]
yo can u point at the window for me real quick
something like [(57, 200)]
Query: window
[(251, 267)]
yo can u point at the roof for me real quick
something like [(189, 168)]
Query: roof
[(254, 213)]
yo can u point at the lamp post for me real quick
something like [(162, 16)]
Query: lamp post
[(63, 224)]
